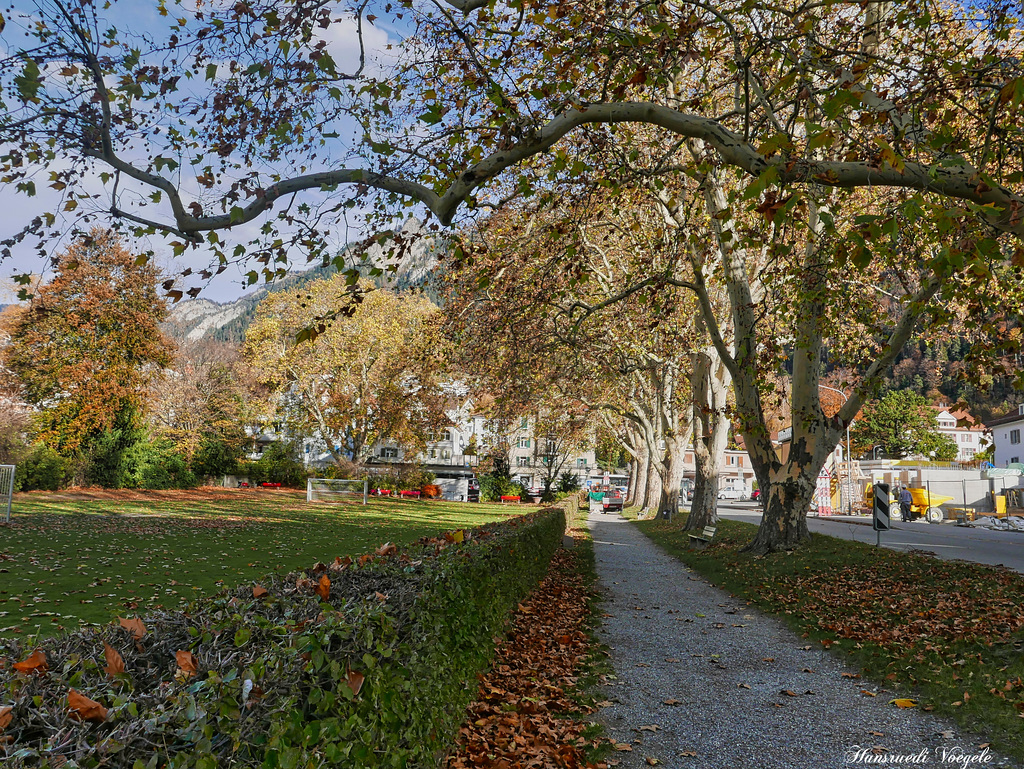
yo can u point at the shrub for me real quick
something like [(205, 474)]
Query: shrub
[(215, 457), (42, 468), (494, 487), (279, 464), (156, 465), (568, 483), (377, 673)]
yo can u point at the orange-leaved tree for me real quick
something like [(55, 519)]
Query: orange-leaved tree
[(86, 346)]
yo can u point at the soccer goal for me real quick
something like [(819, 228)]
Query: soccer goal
[(319, 489), (6, 489)]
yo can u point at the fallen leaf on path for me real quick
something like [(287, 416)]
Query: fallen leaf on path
[(743, 686), (850, 675), (903, 703), (84, 709), (789, 693), (650, 728), (623, 747), (652, 761), (689, 753), (672, 702), (866, 693)]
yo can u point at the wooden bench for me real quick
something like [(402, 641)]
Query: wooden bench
[(702, 541), (510, 499)]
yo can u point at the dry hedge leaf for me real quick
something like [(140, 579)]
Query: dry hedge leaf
[(324, 588), (33, 663), (84, 709), (259, 591), (133, 626), (6, 715), (115, 662), (355, 680), (186, 662)]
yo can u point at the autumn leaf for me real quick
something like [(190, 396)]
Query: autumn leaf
[(84, 709), (133, 626), (850, 675), (115, 662), (6, 715), (186, 662), (324, 588), (789, 693), (672, 702), (33, 663), (355, 680), (380, 596), (903, 703), (387, 549), (622, 747), (651, 761), (259, 591)]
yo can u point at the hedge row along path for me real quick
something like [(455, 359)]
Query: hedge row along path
[(705, 681)]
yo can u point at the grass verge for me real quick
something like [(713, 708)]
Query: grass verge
[(950, 632), (70, 558)]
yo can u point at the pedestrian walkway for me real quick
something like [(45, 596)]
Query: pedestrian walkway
[(704, 681)]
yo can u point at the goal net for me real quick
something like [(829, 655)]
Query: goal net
[(6, 490), (320, 489)]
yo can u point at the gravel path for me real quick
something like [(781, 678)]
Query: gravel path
[(750, 692)]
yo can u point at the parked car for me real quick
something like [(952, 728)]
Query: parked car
[(755, 495), (729, 493), (612, 500)]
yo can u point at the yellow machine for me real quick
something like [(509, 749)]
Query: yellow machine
[(921, 503)]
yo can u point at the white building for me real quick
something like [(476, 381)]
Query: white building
[(969, 435), (1006, 434)]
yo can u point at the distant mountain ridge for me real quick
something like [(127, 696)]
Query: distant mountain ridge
[(195, 319)]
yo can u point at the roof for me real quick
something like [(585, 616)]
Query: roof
[(1008, 419), (964, 419)]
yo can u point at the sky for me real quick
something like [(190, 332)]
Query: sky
[(141, 16)]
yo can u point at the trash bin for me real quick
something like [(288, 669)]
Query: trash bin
[(665, 514)]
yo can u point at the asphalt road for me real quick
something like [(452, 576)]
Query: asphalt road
[(945, 540)]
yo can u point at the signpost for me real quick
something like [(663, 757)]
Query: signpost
[(880, 519)]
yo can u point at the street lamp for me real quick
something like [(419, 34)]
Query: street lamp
[(849, 456)]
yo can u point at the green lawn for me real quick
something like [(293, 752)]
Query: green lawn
[(67, 558)]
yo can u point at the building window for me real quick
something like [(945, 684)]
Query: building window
[(524, 424), (968, 452), (732, 460), (432, 453), (388, 453), (522, 461), (524, 443), (581, 462), (1014, 460), (1014, 437), (447, 435)]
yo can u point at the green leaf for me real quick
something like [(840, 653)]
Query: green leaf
[(29, 81), (242, 636)]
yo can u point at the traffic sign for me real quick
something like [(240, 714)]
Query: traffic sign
[(880, 520)]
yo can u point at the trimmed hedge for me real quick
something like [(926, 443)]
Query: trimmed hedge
[(377, 675)]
